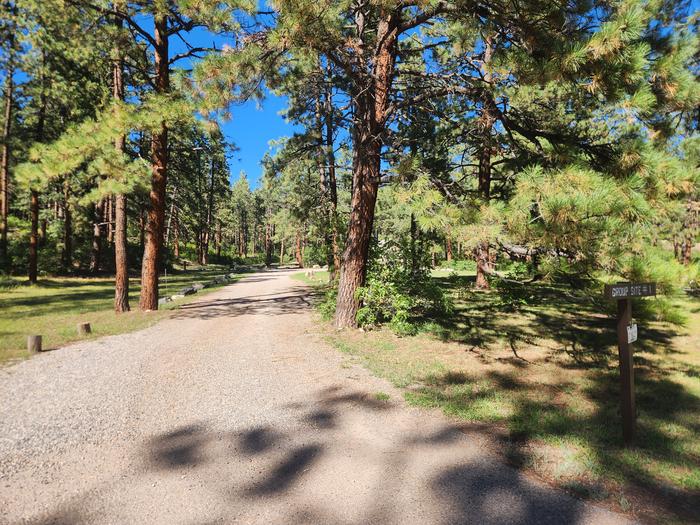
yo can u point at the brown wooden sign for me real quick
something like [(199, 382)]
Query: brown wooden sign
[(625, 290), (626, 335)]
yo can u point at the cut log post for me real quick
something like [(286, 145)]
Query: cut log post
[(34, 344), (84, 328)]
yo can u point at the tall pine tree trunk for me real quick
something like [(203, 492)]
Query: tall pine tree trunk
[(268, 244), (370, 100), (109, 219), (159, 158), (210, 212), (327, 136), (5, 166), (690, 228), (364, 197), (96, 252), (67, 228), (487, 120), (218, 239), (33, 235), (121, 286), (34, 194), (121, 251), (298, 253), (414, 239)]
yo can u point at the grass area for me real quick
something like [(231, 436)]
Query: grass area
[(317, 276), (538, 366), (54, 306)]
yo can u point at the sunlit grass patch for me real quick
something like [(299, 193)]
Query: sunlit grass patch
[(54, 306), (316, 277)]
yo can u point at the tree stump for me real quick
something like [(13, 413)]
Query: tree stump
[(34, 344), (84, 328)]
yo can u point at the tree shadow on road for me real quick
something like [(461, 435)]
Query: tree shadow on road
[(295, 300), (284, 460)]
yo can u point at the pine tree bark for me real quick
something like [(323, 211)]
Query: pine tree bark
[(152, 253), (370, 99), (243, 237), (690, 228), (218, 239), (33, 235), (354, 266), (67, 228), (43, 225), (332, 180), (487, 120), (109, 219), (121, 250), (96, 252), (34, 194), (171, 215), (268, 244), (676, 248), (210, 212), (298, 253), (414, 238), (121, 285), (5, 166)]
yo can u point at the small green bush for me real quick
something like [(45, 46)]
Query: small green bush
[(327, 306), (397, 295)]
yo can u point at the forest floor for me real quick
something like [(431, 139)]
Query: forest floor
[(537, 367), (55, 305), (234, 409)]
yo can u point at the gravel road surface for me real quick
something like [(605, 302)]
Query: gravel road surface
[(236, 411)]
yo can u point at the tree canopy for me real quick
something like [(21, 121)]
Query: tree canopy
[(540, 140)]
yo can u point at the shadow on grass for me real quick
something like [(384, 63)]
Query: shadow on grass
[(513, 316), (537, 415), (88, 294)]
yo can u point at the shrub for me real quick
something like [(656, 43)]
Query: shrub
[(397, 295)]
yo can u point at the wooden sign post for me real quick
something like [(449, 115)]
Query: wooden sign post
[(626, 335)]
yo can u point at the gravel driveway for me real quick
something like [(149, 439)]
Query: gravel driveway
[(236, 411)]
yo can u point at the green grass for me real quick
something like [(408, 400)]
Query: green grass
[(54, 306), (539, 365), (319, 277), (382, 396)]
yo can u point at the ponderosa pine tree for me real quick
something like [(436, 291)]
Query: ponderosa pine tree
[(170, 20), (7, 65), (366, 40)]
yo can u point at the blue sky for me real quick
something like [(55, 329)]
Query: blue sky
[(252, 125), (251, 129)]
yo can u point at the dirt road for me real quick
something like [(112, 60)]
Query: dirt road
[(236, 411)]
